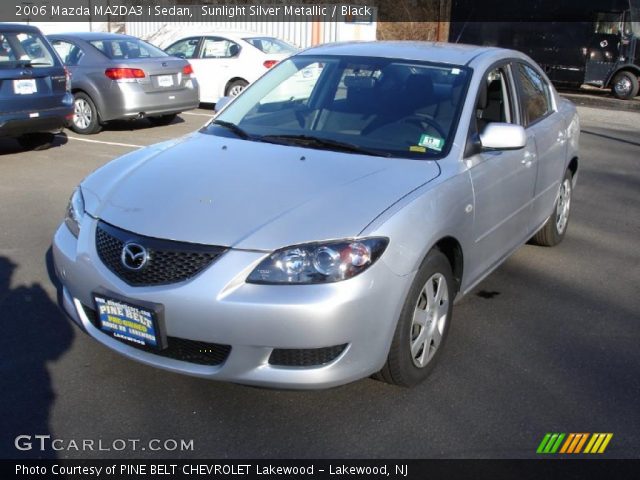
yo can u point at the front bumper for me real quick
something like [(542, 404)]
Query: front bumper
[(130, 100), (217, 306)]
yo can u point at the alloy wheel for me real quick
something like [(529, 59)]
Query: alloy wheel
[(429, 320)]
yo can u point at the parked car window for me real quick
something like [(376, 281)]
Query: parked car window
[(127, 48), (536, 97), (392, 107), (17, 47), (494, 103), (68, 52), (187, 48), (271, 45), (216, 47)]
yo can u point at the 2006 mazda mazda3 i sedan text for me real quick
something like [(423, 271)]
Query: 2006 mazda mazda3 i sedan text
[(310, 239)]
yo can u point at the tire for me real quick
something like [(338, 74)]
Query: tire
[(36, 141), (85, 119), (554, 230), (162, 119), (625, 85), (407, 366), (235, 87)]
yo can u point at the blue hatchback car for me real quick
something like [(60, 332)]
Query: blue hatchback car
[(35, 100)]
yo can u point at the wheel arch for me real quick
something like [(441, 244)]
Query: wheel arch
[(627, 67), (231, 80), (451, 248), (96, 99)]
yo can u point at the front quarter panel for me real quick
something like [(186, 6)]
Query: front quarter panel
[(441, 208)]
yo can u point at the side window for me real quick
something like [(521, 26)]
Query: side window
[(535, 95), (494, 101), (608, 23), (186, 48), (216, 47), (68, 52)]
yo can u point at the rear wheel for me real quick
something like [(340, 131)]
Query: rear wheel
[(423, 325), (625, 85), (85, 115), (554, 229), (163, 119), (36, 141), (235, 87)]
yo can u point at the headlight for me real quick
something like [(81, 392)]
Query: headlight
[(319, 262), (75, 212)]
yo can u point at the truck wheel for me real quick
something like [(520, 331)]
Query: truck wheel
[(625, 85)]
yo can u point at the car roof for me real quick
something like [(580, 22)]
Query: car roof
[(437, 52), (18, 27), (90, 36)]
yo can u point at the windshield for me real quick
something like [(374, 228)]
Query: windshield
[(125, 48), (18, 48), (271, 45), (386, 106)]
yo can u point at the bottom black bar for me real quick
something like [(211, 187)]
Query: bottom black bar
[(564, 469)]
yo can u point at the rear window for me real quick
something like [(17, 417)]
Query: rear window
[(24, 49), (126, 48), (271, 45)]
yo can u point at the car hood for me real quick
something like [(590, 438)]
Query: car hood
[(220, 191)]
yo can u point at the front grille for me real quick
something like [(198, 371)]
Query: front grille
[(192, 351), (168, 261), (305, 357)]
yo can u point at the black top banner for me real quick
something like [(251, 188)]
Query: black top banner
[(300, 10)]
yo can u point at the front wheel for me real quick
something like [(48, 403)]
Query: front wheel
[(553, 231), (423, 324), (625, 85)]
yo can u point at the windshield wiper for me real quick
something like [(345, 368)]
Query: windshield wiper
[(318, 142), (234, 128)]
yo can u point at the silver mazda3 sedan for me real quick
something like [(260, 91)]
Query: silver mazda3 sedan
[(319, 229)]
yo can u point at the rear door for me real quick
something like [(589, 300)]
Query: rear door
[(546, 127), (218, 57), (31, 76)]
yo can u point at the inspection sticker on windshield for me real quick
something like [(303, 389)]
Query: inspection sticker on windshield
[(434, 143)]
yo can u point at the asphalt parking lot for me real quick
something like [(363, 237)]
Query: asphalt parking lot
[(548, 343)]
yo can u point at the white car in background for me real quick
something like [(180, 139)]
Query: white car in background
[(226, 62)]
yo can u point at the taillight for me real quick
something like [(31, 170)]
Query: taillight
[(67, 79), (187, 69), (124, 73), (269, 63)]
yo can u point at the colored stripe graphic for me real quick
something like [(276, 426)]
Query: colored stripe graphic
[(598, 443), (552, 442)]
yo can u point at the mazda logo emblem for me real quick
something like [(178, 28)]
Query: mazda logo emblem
[(134, 256)]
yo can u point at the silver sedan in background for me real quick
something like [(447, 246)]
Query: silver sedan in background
[(117, 76), (313, 240)]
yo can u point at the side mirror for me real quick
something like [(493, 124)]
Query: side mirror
[(220, 104), (503, 136)]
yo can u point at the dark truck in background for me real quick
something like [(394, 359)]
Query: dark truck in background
[(592, 42)]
